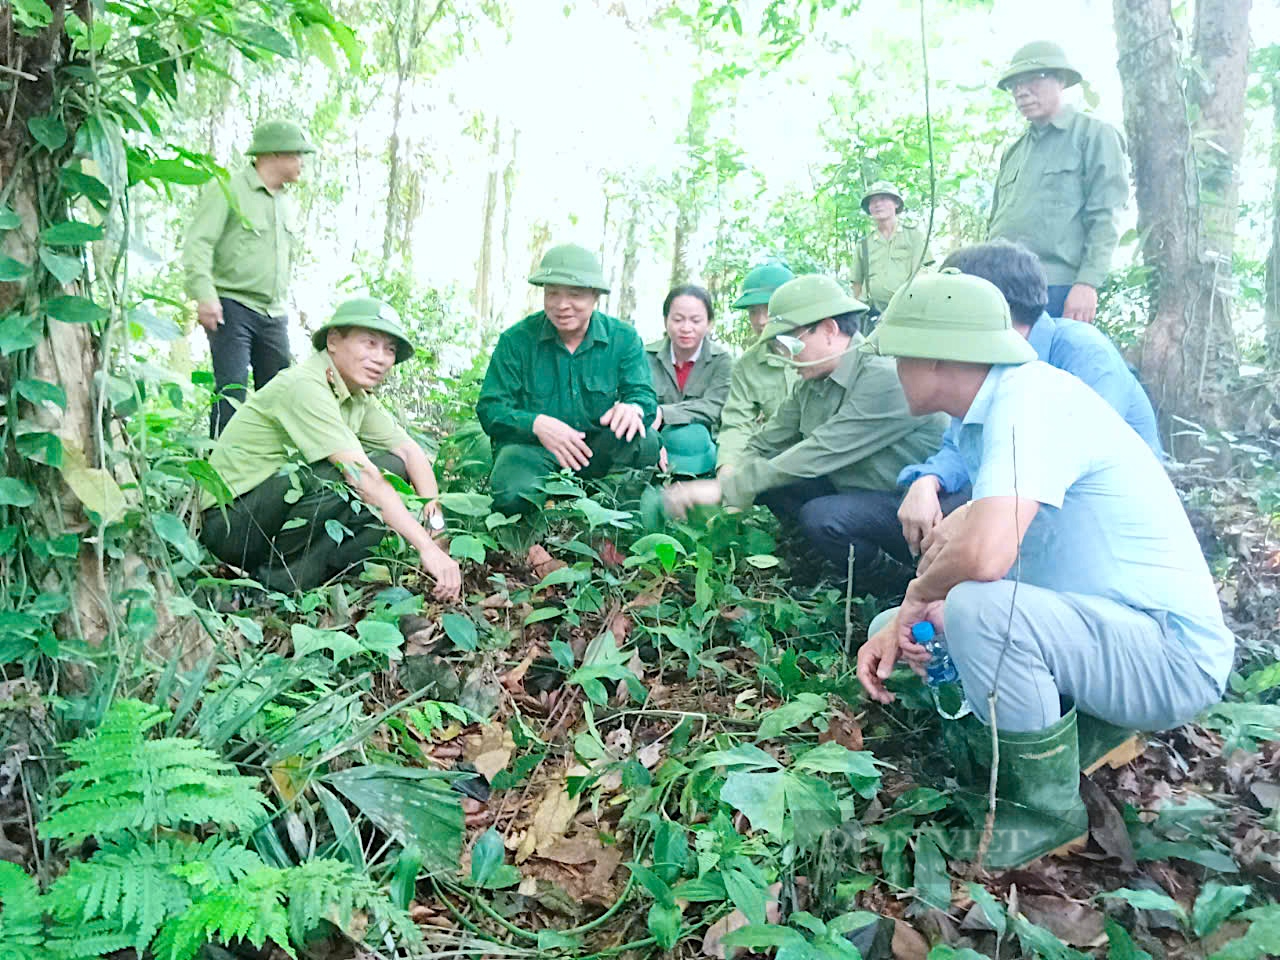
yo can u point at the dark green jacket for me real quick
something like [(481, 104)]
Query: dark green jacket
[(531, 373), (704, 392)]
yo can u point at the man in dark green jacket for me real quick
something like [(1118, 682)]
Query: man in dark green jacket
[(567, 387)]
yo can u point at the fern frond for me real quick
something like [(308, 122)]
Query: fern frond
[(334, 891), (87, 941), (126, 782), (21, 914), (251, 910)]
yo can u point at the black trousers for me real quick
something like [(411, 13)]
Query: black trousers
[(252, 535), (867, 520), (245, 337)]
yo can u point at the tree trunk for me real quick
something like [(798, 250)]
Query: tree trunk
[(630, 261), (508, 191), (1188, 352), (1271, 298), (696, 129), (484, 266)]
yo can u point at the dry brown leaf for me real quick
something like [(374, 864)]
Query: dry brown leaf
[(844, 729), (620, 625), (489, 750), (642, 600), (496, 601), (908, 944), (513, 679), (711, 945), (542, 563), (1075, 923), (651, 755), (610, 554), (733, 614), (551, 818)]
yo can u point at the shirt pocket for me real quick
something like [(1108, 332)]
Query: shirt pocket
[(599, 393), (1063, 184)]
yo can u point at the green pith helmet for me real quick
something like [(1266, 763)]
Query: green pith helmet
[(279, 136), (806, 300), (878, 189), (370, 314), (949, 315), (570, 265), (760, 283), (690, 449), (1039, 55)]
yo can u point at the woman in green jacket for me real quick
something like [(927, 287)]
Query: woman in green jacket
[(691, 375)]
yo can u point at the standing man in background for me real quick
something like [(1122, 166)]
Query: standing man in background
[(238, 257), (1060, 184), (886, 258)]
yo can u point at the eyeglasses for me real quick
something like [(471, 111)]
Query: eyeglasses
[(790, 345), (1031, 77)]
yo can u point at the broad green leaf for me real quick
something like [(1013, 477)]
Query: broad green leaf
[(50, 132), (648, 545), (11, 270), (249, 629), (756, 936), (551, 940), (746, 895), (543, 613), (413, 806), (42, 391), (1190, 850), (15, 493), (763, 561), (176, 170), (467, 547), (308, 640), (487, 867), (1243, 725), (404, 877), (1215, 904), (336, 531), (467, 504), (161, 328), (944, 951), (72, 309), (32, 16), (991, 908), (562, 576), (1147, 900), (791, 714), (1120, 945), (664, 924), (64, 268), (173, 531), (40, 446), (8, 219), (1041, 942), (95, 190), (1260, 941), (378, 636), (933, 884), (654, 884), (260, 34), (599, 516), (832, 757), (97, 490), (17, 333), (919, 801), (760, 797), (71, 233), (812, 806), (461, 630), (739, 755)]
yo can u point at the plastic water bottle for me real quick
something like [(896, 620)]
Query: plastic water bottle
[(940, 669)]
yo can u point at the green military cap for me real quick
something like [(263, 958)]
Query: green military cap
[(689, 451), (806, 300), (570, 265), (949, 315), (1036, 56), (279, 136), (760, 283), (370, 314), (881, 188)]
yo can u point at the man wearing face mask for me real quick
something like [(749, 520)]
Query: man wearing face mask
[(567, 388), (844, 429), (1060, 184), (287, 452), (760, 382)]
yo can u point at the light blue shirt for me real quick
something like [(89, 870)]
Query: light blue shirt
[(1080, 349), (1110, 523)]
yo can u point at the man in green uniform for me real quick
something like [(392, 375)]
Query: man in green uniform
[(567, 387), (238, 258), (886, 258), (1060, 183), (323, 415), (844, 429), (760, 381)]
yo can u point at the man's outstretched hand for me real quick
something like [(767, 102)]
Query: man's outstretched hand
[(444, 570), (625, 420), (567, 445)]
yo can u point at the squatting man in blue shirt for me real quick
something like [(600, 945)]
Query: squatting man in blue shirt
[(1072, 580)]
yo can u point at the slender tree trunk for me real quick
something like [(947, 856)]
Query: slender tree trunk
[(1188, 352), (630, 261), (505, 280), (1271, 299), (696, 129), (484, 265)]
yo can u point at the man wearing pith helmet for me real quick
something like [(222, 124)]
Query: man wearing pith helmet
[(887, 257), (238, 257), (277, 525), (760, 381), (567, 387), (1071, 581), (1061, 184), (844, 429)]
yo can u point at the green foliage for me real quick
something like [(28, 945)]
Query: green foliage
[(21, 914), (126, 782)]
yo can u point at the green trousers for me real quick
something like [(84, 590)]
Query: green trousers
[(253, 536), (520, 468)]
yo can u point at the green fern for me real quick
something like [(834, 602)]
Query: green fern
[(134, 889), (334, 891), (21, 914), (126, 782)]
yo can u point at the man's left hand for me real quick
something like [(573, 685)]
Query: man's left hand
[(679, 497), (1081, 303), (625, 420)]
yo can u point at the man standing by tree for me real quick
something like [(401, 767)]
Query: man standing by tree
[(567, 387), (1061, 183), (760, 381), (282, 524), (238, 257), (886, 258)]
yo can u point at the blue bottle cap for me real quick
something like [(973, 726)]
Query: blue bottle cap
[(922, 631)]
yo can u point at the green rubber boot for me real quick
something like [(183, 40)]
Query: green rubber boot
[(1103, 744), (1038, 805)]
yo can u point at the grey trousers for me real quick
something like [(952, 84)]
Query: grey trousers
[(1116, 663)]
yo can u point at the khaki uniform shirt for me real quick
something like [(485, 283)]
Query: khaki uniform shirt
[(704, 392), (531, 372), (852, 427), (243, 252), (882, 266), (1057, 193), (759, 384), (306, 410)]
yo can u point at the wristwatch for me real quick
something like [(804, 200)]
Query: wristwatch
[(435, 521)]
